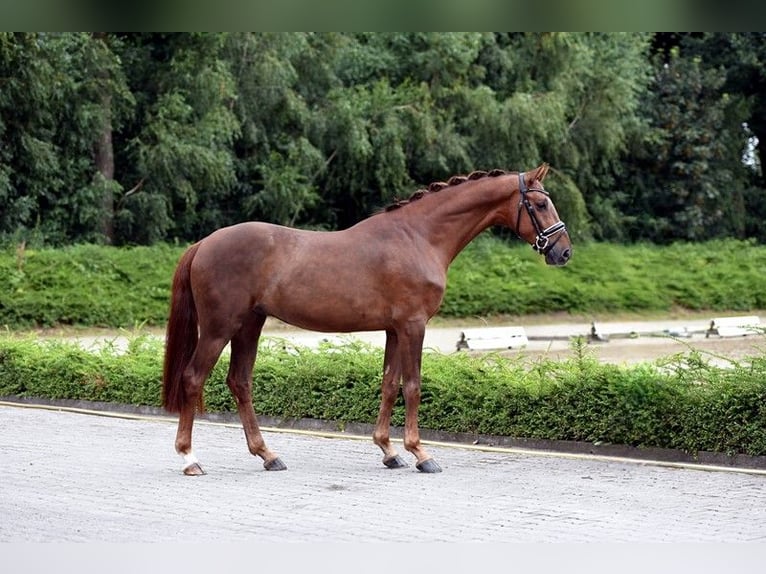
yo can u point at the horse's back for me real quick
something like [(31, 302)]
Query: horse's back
[(259, 242), (246, 242), (357, 279)]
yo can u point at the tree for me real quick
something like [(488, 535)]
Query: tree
[(741, 57), (278, 78), (571, 100), (28, 158), (179, 144), (100, 102), (679, 172), (62, 96), (145, 137)]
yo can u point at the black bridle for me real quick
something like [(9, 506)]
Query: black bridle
[(542, 240)]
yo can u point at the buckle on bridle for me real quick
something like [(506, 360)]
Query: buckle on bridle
[(542, 239)]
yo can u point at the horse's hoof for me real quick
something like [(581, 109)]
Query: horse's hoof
[(428, 465), (275, 464), (395, 461), (194, 469)]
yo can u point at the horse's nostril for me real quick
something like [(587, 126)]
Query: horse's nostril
[(566, 254)]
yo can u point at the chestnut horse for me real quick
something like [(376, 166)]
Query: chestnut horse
[(387, 272)]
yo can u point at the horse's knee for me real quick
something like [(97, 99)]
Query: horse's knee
[(411, 391), (389, 386)]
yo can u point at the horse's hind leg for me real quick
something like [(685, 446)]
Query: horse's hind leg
[(195, 374), (244, 349)]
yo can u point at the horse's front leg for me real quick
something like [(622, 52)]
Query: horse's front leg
[(392, 374), (411, 352)]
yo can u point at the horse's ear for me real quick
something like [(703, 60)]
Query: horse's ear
[(541, 172), (537, 174)]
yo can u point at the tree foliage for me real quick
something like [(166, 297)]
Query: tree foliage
[(146, 137), (682, 178)]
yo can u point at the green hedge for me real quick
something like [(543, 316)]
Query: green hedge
[(86, 285), (491, 278), (123, 287), (681, 403)]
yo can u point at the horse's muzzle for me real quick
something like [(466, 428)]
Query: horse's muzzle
[(558, 255)]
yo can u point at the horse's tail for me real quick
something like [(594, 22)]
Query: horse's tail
[(181, 335)]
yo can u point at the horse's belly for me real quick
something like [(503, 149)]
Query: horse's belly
[(352, 306), (333, 312)]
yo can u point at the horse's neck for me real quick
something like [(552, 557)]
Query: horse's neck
[(453, 217)]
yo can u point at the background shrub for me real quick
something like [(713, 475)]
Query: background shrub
[(101, 286)]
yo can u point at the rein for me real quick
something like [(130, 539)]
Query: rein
[(542, 240)]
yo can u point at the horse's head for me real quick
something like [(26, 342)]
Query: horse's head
[(537, 221)]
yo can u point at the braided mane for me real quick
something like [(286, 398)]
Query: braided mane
[(439, 185)]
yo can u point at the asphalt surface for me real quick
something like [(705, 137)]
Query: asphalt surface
[(84, 477)]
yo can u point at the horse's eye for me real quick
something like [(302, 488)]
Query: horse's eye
[(542, 205)]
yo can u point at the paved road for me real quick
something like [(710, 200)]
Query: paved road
[(73, 477)]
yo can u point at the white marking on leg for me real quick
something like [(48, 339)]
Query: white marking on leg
[(189, 459)]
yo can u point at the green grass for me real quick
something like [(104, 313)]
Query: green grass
[(86, 285), (89, 285), (490, 278)]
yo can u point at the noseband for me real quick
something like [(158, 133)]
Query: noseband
[(541, 244)]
